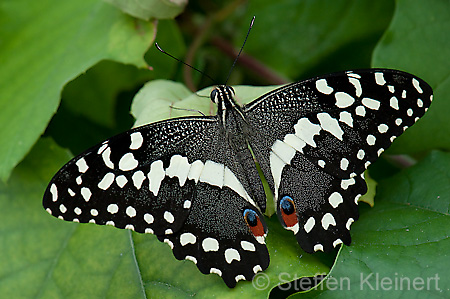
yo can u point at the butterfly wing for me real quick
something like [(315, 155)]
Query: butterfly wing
[(177, 179), (314, 139)]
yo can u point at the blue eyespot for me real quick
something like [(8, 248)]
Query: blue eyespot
[(287, 205), (251, 217)]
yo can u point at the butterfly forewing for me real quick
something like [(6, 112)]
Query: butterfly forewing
[(313, 140), (178, 179)]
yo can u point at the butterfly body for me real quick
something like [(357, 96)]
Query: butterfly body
[(193, 182)]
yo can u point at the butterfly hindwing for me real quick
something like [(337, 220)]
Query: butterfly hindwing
[(216, 236), (314, 139), (177, 179)]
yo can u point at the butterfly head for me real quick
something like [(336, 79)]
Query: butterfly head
[(222, 94)]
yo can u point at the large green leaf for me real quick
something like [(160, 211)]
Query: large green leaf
[(417, 41), (295, 37), (147, 9), (44, 45), (400, 247)]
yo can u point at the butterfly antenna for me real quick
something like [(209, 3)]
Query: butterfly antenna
[(179, 60), (240, 51)]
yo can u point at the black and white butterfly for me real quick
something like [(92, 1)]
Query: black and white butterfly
[(192, 181)]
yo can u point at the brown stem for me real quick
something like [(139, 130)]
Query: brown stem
[(261, 70)]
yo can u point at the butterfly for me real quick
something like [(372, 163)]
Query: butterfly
[(192, 181)]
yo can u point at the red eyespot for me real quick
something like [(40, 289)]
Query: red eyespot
[(254, 223), (288, 212)]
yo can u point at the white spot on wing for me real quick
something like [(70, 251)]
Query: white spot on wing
[(136, 140), (349, 223), (346, 183), (130, 211), (360, 155), (195, 170), (382, 128), (169, 217), (86, 193), (82, 166), (371, 139), (346, 118), (138, 178), (295, 142), (344, 164), (419, 103), (54, 192), (231, 181), (187, 204), (148, 218), (187, 238), (283, 151), (357, 85), (210, 244), (121, 181), (179, 167), (343, 99), (232, 254), (371, 103), (213, 173), (417, 85), (335, 199), (215, 271), (276, 166), (309, 225), (107, 159), (318, 247), (394, 103), (328, 220), (248, 246), (306, 130), (361, 111), (156, 176), (107, 180), (379, 79), (191, 258), (330, 124), (322, 86), (128, 162), (337, 242), (112, 208), (62, 208), (293, 228)]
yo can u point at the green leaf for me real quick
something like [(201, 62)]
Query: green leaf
[(46, 257), (147, 9), (315, 36), (45, 44), (405, 236), (417, 41)]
